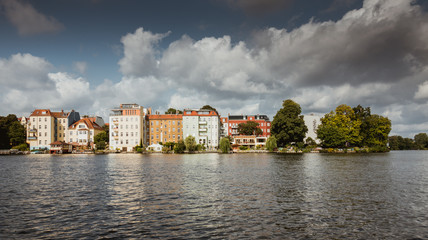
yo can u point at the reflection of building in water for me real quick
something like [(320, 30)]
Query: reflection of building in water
[(312, 121)]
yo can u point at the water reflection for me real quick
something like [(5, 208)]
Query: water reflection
[(309, 196)]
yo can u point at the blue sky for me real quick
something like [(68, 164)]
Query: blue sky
[(240, 56)]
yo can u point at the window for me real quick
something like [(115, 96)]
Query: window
[(173, 129), (59, 127), (126, 126), (46, 134), (34, 119), (136, 126), (173, 136), (59, 134), (151, 123), (121, 126), (121, 141), (46, 126), (132, 126), (121, 134), (268, 124), (71, 133), (178, 137), (46, 142), (268, 130), (157, 129), (40, 134), (40, 141), (126, 141), (126, 133), (40, 126), (152, 129), (46, 119), (178, 129), (173, 122), (132, 134), (71, 139)]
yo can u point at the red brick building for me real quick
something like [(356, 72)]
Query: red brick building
[(235, 120)]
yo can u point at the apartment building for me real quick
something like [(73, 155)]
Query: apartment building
[(127, 127), (204, 125), (163, 128), (312, 122), (82, 133), (45, 127), (224, 127), (235, 120)]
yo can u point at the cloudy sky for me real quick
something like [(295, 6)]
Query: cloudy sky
[(240, 56)]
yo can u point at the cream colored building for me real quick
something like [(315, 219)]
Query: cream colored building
[(45, 127), (127, 127), (204, 125), (82, 133)]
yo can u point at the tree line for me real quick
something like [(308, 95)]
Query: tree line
[(12, 133), (419, 142)]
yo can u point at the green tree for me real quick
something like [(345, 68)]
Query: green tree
[(180, 147), (310, 142), (271, 143), (16, 134), (190, 143), (249, 128), (173, 111), (288, 125), (100, 140), (375, 130), (225, 145), (208, 107), (421, 139), (340, 129), (5, 123)]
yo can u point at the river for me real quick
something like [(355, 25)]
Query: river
[(215, 196)]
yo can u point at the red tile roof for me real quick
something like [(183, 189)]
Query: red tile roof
[(89, 122), (41, 112)]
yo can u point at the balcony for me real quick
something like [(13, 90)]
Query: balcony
[(33, 130), (115, 119), (202, 129), (202, 123), (31, 138)]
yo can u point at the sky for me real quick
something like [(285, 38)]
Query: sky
[(239, 56)]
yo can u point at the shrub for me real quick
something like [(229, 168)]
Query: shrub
[(179, 147), (243, 148)]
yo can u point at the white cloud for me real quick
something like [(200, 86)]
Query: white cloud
[(140, 53), (27, 19), (80, 67), (422, 92)]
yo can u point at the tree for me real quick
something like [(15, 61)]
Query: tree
[(16, 134), (100, 140), (5, 123), (249, 128), (190, 143), (375, 130), (421, 139), (179, 147), (173, 111), (225, 145), (340, 129), (106, 129), (310, 142), (271, 143), (208, 107), (288, 125)]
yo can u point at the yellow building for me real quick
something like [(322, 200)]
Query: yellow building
[(164, 128)]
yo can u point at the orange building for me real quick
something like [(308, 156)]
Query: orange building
[(164, 128)]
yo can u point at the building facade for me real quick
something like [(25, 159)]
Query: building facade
[(162, 128), (224, 127), (82, 133), (204, 125), (235, 120), (312, 121), (45, 127), (126, 125)]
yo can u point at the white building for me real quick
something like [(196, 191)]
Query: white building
[(312, 122), (127, 127), (45, 127), (204, 125), (83, 132)]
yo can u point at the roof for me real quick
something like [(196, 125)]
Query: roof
[(199, 112), (61, 114), (41, 112), (88, 122), (246, 117), (165, 116)]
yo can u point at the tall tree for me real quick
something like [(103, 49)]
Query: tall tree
[(421, 139), (375, 130), (5, 123), (180, 147), (288, 125), (16, 134), (340, 128), (249, 128)]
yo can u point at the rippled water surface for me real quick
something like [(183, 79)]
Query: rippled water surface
[(257, 196)]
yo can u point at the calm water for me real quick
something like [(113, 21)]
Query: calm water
[(257, 196)]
